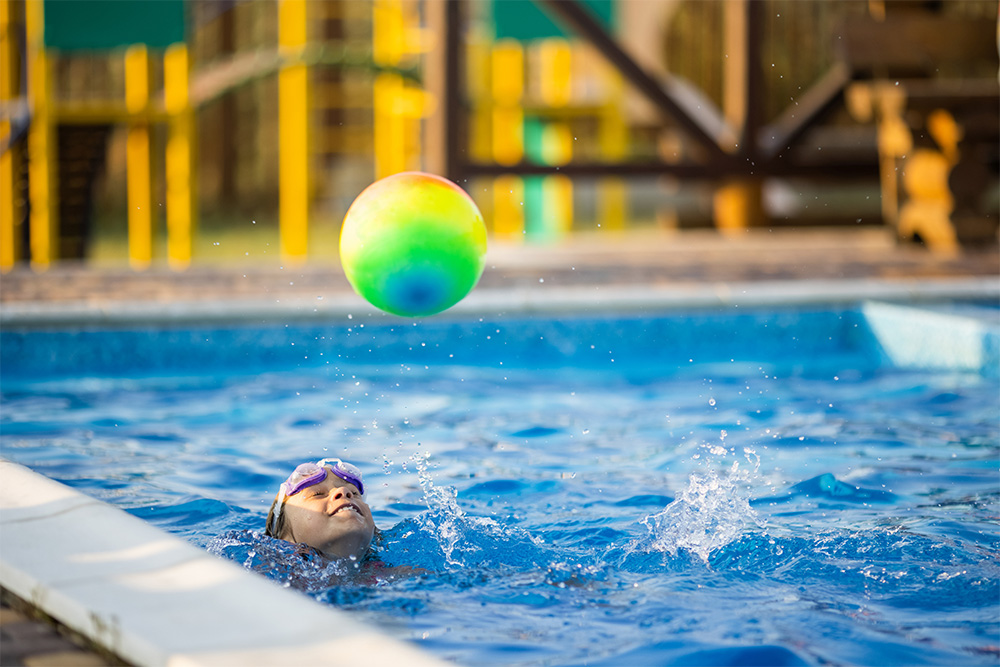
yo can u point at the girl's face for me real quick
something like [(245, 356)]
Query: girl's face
[(330, 516)]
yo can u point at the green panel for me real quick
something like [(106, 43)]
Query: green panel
[(525, 20), (538, 224), (109, 24)]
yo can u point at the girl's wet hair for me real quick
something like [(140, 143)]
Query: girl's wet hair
[(276, 527)]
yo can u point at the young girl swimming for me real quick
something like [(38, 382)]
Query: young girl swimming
[(323, 505)]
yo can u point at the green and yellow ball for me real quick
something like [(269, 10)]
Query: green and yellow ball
[(413, 244)]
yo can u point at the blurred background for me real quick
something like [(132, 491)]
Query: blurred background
[(197, 131)]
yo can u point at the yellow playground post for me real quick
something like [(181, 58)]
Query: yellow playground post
[(180, 156), (506, 121), (43, 224), (138, 159), (293, 131), (612, 191), (57, 30), (397, 106), (10, 206)]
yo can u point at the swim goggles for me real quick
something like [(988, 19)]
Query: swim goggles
[(310, 474)]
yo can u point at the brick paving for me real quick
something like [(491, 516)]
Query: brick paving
[(26, 641)]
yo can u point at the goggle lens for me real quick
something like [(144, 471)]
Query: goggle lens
[(308, 474)]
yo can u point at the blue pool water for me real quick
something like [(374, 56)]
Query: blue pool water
[(718, 488)]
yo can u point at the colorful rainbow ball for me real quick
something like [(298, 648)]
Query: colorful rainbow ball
[(413, 244)]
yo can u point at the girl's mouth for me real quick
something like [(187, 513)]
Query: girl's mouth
[(347, 506)]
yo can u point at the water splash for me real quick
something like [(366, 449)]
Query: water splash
[(291, 565), (710, 513), (444, 517), (464, 541)]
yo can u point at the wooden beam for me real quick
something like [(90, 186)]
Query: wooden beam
[(704, 123), (435, 128), (456, 137), (803, 113), (830, 169)]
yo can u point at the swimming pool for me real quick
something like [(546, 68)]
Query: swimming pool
[(782, 486)]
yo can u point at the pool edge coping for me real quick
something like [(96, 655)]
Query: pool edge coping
[(500, 302), (152, 598)]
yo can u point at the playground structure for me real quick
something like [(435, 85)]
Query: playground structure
[(540, 109), (57, 131)]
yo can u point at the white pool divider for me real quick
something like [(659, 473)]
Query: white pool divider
[(153, 599)]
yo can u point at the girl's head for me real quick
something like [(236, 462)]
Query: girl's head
[(322, 504)]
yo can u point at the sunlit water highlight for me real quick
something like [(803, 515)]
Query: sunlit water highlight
[(713, 514)]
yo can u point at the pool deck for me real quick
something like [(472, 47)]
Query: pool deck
[(628, 270), (642, 269)]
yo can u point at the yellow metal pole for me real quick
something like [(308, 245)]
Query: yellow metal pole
[(480, 91), (388, 48), (737, 204), (389, 125), (418, 106), (139, 172), (557, 191), (388, 32), (555, 65), (612, 191), (42, 174), (10, 204), (507, 76), (293, 133), (181, 208), (507, 136), (508, 208), (433, 151)]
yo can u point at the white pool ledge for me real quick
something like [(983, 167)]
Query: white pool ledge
[(154, 599)]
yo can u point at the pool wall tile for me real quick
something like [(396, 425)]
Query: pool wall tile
[(661, 339), (643, 326), (153, 599), (961, 339)]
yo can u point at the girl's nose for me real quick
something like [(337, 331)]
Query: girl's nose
[(342, 492)]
